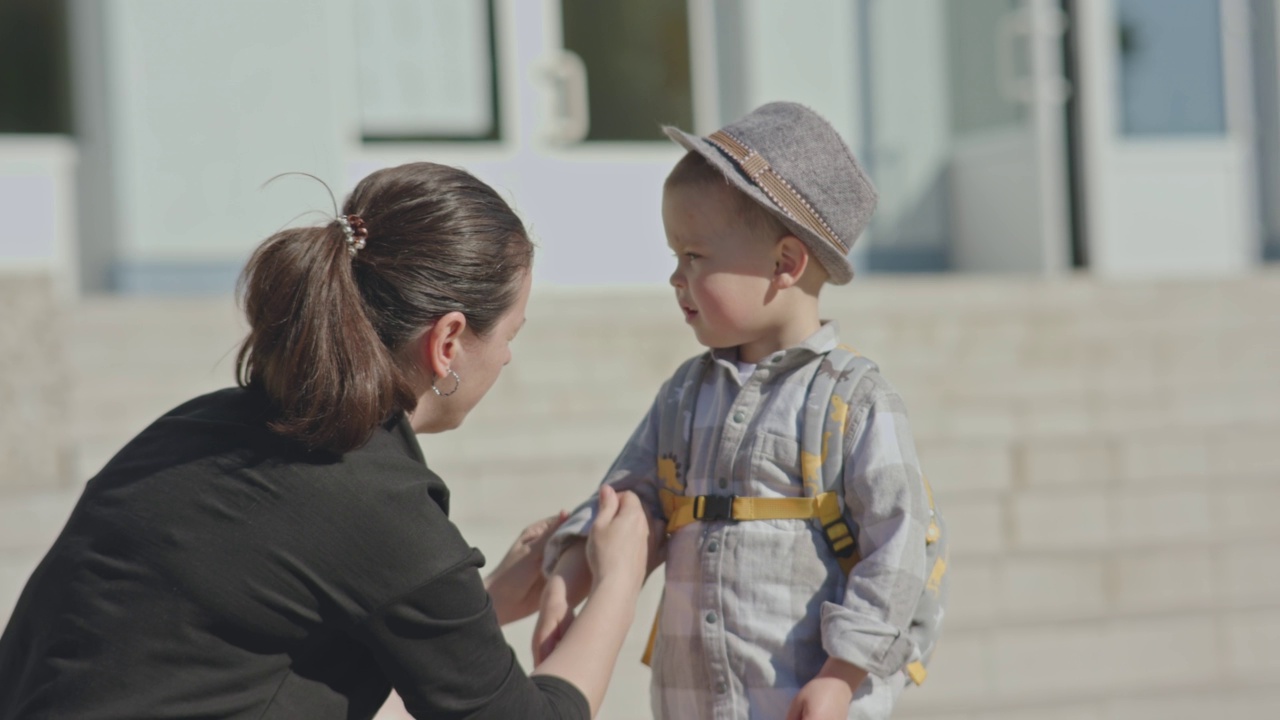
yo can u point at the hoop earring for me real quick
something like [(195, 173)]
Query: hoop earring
[(457, 383)]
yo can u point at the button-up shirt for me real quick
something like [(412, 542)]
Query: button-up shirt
[(752, 610)]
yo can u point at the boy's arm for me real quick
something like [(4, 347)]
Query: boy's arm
[(827, 696), (570, 583), (633, 470), (567, 586), (564, 561), (885, 497)]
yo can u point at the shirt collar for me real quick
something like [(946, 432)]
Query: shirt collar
[(823, 341)]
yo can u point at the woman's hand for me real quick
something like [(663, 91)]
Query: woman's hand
[(569, 584), (516, 584), (618, 547)]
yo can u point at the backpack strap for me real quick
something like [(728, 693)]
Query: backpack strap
[(822, 435), (675, 429), (822, 452)]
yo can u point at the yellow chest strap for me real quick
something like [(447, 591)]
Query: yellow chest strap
[(825, 507)]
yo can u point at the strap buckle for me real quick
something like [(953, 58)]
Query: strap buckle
[(840, 537), (713, 508)]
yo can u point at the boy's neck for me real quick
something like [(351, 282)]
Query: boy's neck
[(793, 328)]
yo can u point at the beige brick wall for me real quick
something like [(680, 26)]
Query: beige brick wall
[(1103, 454), (33, 384)]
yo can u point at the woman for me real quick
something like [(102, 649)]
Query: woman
[(280, 549)]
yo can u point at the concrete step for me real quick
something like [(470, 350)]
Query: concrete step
[(1184, 433), (939, 310), (907, 346), (34, 397), (991, 368), (1215, 663), (537, 420)]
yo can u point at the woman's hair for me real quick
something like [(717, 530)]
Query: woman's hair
[(330, 331)]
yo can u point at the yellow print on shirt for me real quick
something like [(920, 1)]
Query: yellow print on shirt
[(840, 414), (811, 467), (669, 474), (811, 464)]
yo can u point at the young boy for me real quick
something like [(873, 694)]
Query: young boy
[(760, 617)]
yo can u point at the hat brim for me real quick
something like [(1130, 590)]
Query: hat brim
[(837, 264)]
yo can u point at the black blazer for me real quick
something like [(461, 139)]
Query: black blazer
[(214, 569)]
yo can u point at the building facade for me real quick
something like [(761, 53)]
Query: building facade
[(1124, 137)]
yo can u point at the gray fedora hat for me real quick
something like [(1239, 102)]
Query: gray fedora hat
[(789, 159)]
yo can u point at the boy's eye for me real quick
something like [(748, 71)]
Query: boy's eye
[(692, 255)]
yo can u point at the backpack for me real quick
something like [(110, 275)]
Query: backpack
[(836, 389)]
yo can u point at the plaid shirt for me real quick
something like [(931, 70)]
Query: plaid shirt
[(752, 610)]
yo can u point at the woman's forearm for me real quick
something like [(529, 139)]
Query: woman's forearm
[(589, 650)]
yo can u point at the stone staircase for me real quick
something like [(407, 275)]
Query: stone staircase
[(1104, 453)]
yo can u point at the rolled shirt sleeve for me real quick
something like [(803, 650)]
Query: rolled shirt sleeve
[(633, 470), (885, 496)]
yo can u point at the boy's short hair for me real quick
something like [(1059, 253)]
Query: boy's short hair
[(694, 171)]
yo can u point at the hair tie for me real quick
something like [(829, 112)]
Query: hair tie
[(355, 232)]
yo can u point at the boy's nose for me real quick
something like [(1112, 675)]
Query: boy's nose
[(676, 279)]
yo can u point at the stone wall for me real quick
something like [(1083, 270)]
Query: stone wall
[(1104, 454)]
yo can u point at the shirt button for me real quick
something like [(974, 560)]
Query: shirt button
[(711, 618), (723, 483), (739, 417), (713, 546), (722, 688)]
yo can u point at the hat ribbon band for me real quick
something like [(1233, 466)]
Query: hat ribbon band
[(758, 170)]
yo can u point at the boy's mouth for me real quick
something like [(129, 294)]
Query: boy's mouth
[(689, 312)]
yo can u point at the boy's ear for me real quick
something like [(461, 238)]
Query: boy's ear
[(791, 259)]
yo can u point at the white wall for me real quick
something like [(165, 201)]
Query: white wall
[(37, 204), (804, 52), (911, 142), (202, 103), (188, 106), (594, 208)]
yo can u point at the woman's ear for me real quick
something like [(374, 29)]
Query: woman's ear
[(440, 346), (790, 261)]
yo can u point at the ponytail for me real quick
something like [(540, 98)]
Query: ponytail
[(328, 328), (312, 346)]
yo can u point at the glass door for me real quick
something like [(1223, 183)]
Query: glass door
[(965, 135), (593, 83), (1170, 154), (557, 103)]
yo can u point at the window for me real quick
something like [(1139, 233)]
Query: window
[(35, 92), (427, 70), (1170, 57), (637, 60)]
